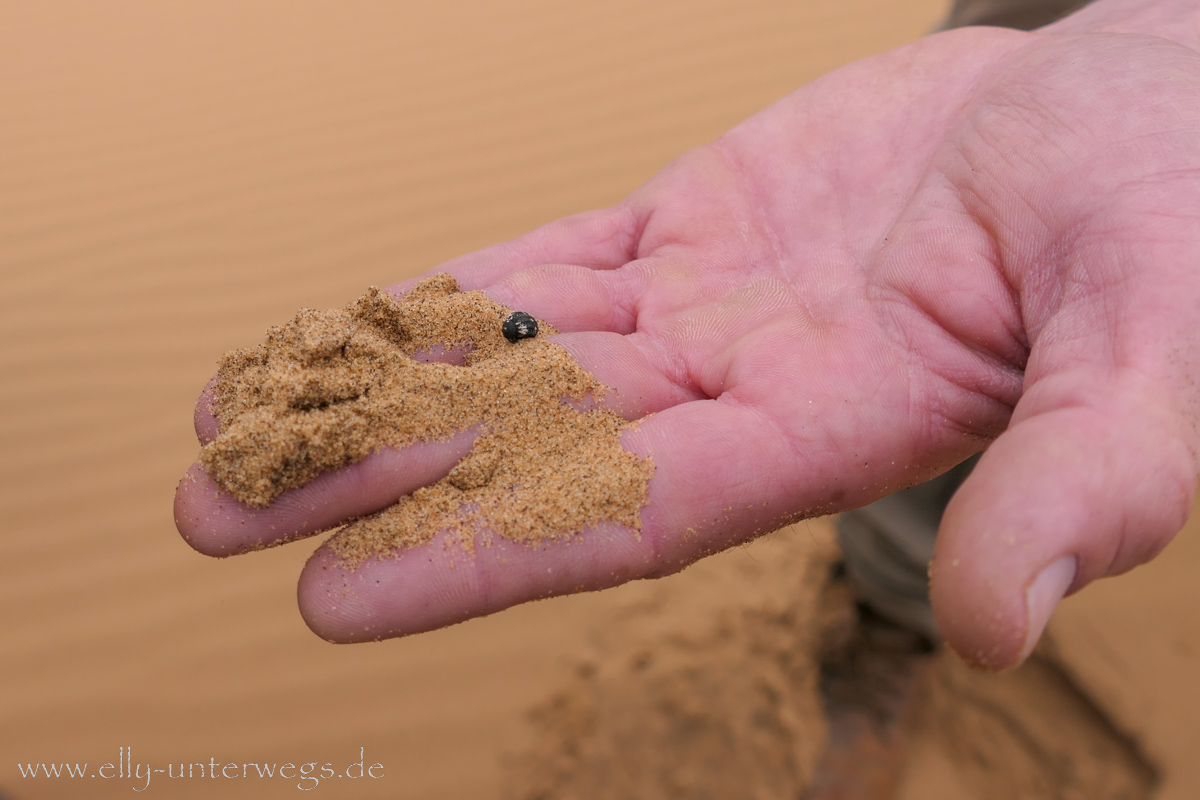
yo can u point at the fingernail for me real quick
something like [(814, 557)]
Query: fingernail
[(1042, 597)]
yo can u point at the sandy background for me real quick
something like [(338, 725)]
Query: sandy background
[(176, 177)]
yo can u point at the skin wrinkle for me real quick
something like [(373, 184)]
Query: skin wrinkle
[(1061, 269), (889, 294), (1039, 116), (670, 367), (1007, 109), (1128, 257), (883, 291), (904, 338), (1009, 323), (941, 415), (678, 333), (623, 229), (768, 302), (862, 249), (1103, 292), (1048, 272), (731, 399), (701, 326), (1035, 275), (652, 536), (616, 318), (1078, 314), (627, 230), (954, 414), (970, 187), (481, 586), (759, 207), (846, 233), (666, 294), (997, 258), (1014, 323), (690, 172), (752, 187), (617, 283), (797, 446), (676, 344), (683, 394), (1097, 228), (644, 220)]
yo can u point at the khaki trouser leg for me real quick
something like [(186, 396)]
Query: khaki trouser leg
[(1021, 14)]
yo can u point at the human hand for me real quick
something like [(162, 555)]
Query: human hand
[(984, 235)]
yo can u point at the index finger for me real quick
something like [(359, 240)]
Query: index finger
[(604, 239)]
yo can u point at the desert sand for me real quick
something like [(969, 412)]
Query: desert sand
[(178, 177)]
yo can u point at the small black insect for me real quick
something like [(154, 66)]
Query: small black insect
[(518, 325)]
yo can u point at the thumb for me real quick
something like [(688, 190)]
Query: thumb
[(1093, 477)]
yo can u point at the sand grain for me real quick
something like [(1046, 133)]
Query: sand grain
[(331, 387)]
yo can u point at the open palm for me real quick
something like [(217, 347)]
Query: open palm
[(985, 234)]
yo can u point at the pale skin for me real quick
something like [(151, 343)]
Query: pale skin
[(988, 238)]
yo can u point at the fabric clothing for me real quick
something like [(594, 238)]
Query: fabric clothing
[(1021, 14), (887, 545)]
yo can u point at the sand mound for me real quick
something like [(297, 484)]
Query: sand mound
[(719, 682), (703, 685)]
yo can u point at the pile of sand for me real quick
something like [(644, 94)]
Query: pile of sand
[(716, 683), (704, 685), (328, 388)]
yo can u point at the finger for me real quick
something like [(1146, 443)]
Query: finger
[(569, 297), (723, 474), (440, 584), (603, 239), (635, 387), (203, 419), (1075, 490), (214, 522)]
